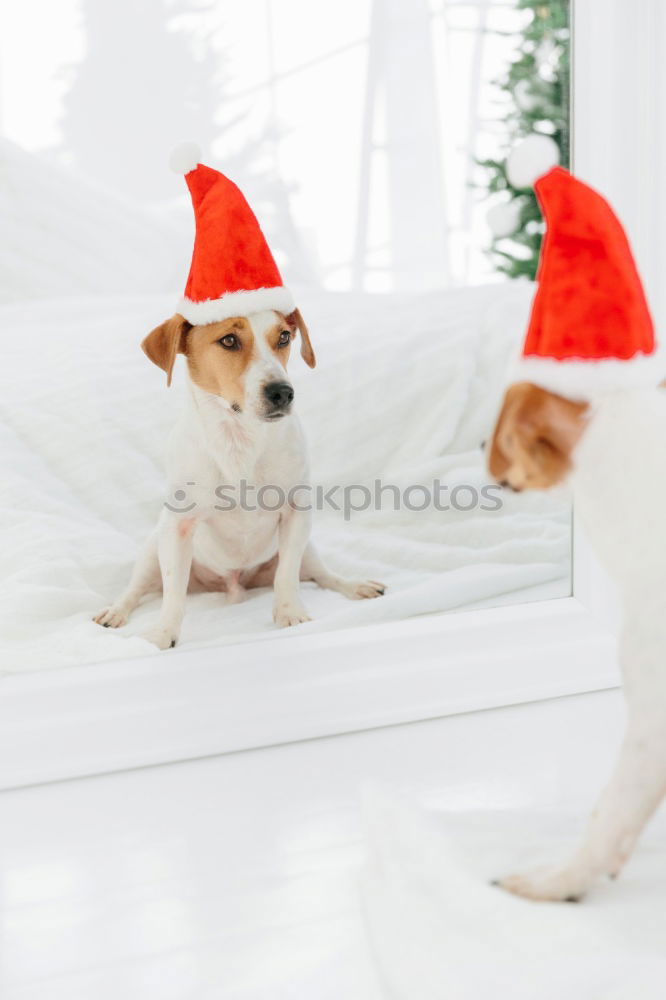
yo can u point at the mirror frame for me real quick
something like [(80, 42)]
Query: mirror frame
[(106, 717)]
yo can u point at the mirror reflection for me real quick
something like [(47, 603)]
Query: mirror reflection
[(369, 140)]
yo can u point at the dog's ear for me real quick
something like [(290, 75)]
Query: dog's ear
[(535, 436), (166, 341), (307, 353), (552, 421)]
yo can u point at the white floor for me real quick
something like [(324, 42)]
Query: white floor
[(237, 876)]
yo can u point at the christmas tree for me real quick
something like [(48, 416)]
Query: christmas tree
[(537, 83)]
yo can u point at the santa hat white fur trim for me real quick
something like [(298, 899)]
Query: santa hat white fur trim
[(236, 304), (584, 380), (531, 159), (185, 157)]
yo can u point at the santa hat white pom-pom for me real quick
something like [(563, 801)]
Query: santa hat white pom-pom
[(185, 158), (531, 159)]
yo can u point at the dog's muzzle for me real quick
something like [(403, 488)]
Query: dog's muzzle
[(278, 397)]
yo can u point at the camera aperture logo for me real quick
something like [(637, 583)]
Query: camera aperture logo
[(350, 499)]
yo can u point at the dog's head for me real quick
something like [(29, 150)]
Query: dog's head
[(243, 360), (534, 438)]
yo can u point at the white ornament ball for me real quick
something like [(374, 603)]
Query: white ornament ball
[(524, 96), (185, 157), (531, 159), (504, 218)]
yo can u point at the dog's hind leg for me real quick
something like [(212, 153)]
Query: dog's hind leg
[(636, 788), (637, 784), (145, 579), (312, 568)]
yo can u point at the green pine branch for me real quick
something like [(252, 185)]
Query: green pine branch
[(540, 73)]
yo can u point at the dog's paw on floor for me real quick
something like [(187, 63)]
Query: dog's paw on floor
[(566, 885)]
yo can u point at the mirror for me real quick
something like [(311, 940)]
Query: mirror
[(369, 137)]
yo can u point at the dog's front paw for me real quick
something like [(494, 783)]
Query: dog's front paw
[(114, 617), (360, 590), (564, 885), (286, 613), (161, 636)]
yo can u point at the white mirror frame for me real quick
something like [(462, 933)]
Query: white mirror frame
[(182, 705)]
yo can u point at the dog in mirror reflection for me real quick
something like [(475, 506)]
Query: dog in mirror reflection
[(238, 425)]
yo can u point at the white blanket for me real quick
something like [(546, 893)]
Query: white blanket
[(406, 389), (439, 931)]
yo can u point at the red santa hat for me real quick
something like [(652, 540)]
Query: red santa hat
[(233, 272), (590, 330)]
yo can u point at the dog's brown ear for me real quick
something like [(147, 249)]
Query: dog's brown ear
[(307, 353), (553, 421), (166, 341), (535, 436)]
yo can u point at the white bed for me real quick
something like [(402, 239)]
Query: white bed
[(406, 388)]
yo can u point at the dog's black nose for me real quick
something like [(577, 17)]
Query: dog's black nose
[(279, 394)]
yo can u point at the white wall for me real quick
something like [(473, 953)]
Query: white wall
[(619, 117)]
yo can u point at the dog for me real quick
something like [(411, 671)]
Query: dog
[(613, 453), (238, 425)]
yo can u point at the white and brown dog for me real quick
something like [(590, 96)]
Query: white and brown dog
[(613, 451), (586, 405), (238, 426)]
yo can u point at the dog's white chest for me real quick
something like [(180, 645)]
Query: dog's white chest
[(242, 482), (238, 539)]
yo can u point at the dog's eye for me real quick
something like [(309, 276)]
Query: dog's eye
[(284, 339), (230, 342)]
